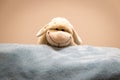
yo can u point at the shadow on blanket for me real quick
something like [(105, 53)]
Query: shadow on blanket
[(41, 62)]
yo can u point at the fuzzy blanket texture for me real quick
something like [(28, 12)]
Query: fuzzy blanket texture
[(42, 62)]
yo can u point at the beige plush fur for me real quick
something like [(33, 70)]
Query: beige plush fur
[(59, 33)]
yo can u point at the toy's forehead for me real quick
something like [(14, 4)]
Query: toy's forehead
[(61, 22)]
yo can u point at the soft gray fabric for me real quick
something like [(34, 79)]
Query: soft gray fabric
[(42, 62)]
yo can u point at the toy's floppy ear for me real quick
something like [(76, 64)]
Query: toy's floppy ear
[(41, 31), (76, 38)]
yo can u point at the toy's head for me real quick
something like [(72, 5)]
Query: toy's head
[(59, 32)]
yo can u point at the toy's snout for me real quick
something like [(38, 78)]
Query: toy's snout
[(59, 36)]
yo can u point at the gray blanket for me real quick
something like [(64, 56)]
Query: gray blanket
[(42, 62)]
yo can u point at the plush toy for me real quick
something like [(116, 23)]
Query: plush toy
[(59, 33)]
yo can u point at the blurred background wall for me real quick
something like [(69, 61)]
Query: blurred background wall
[(96, 21)]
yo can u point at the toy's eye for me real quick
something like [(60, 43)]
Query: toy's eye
[(57, 29), (62, 30)]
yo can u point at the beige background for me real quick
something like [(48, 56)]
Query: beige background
[(96, 21)]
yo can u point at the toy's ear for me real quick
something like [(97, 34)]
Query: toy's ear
[(76, 38), (42, 31)]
